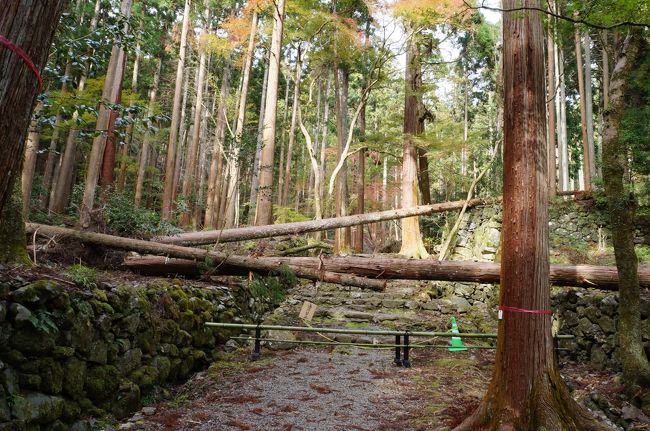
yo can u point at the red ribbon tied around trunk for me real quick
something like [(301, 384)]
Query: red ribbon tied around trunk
[(22, 54), (523, 310)]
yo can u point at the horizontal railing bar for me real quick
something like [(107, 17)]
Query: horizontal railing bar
[(359, 331), (333, 343)]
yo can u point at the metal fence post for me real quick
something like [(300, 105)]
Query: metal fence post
[(398, 354), (406, 362), (257, 352)]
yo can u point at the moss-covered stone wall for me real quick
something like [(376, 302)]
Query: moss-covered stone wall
[(67, 353)]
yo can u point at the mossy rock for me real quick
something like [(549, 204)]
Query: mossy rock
[(127, 400), (148, 341), (39, 292), (32, 341), (145, 376), (129, 361), (38, 408), (75, 374), (30, 381), (71, 410), (101, 382), (98, 352), (5, 411)]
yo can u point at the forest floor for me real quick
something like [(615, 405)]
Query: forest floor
[(355, 389)]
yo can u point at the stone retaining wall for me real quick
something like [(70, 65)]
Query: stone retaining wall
[(65, 352)]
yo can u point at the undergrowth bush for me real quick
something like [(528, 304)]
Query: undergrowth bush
[(82, 276), (123, 218)]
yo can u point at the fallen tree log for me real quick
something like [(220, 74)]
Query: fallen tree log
[(256, 232), (243, 262), (601, 277)]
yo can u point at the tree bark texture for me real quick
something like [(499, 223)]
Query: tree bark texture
[(264, 205), (256, 232), (170, 162), (526, 391), (105, 126), (551, 95), (284, 192), (586, 161), (342, 237), (30, 25), (584, 276), (622, 204), (29, 164), (232, 207), (412, 244), (252, 199), (248, 263)]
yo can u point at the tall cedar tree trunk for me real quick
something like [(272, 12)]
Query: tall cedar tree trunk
[(184, 128), (284, 191), (283, 138), (63, 182), (30, 25), (589, 106), (124, 154), (232, 207), (52, 155), (170, 161), (412, 245), (148, 137), (562, 146), (215, 177), (586, 161), (342, 237), (264, 205), (526, 391), (29, 164), (252, 198), (190, 180), (324, 137), (105, 122), (622, 204), (551, 95)]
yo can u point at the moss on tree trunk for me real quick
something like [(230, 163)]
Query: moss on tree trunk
[(12, 231)]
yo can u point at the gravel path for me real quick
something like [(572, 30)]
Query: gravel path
[(297, 390)]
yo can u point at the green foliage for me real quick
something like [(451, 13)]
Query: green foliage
[(643, 253), (288, 215), (83, 276), (41, 321), (123, 218), (273, 287)]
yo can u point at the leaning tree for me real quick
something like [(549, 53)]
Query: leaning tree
[(26, 31), (526, 391)]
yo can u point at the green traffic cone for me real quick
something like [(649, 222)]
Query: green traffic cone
[(456, 342)]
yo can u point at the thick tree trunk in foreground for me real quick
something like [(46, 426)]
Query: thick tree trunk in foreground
[(587, 276), (248, 263), (30, 25), (622, 205), (412, 245), (526, 391), (254, 232), (264, 205), (170, 162)]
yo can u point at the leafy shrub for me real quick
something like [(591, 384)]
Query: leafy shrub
[(288, 215), (83, 276), (272, 288), (124, 218)]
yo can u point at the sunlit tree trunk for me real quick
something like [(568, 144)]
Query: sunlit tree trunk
[(325, 135), (190, 179), (589, 106), (551, 95), (412, 244), (63, 182), (105, 122), (343, 236), (170, 162), (622, 205), (563, 149), (215, 178), (148, 137), (184, 129), (264, 206), (124, 153), (252, 199), (526, 391), (284, 200), (586, 162), (29, 163), (232, 202)]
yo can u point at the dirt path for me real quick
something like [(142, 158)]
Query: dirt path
[(340, 390)]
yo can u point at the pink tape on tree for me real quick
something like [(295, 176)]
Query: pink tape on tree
[(23, 55)]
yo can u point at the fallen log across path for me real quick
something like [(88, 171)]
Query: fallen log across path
[(295, 228), (601, 277), (243, 262)]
